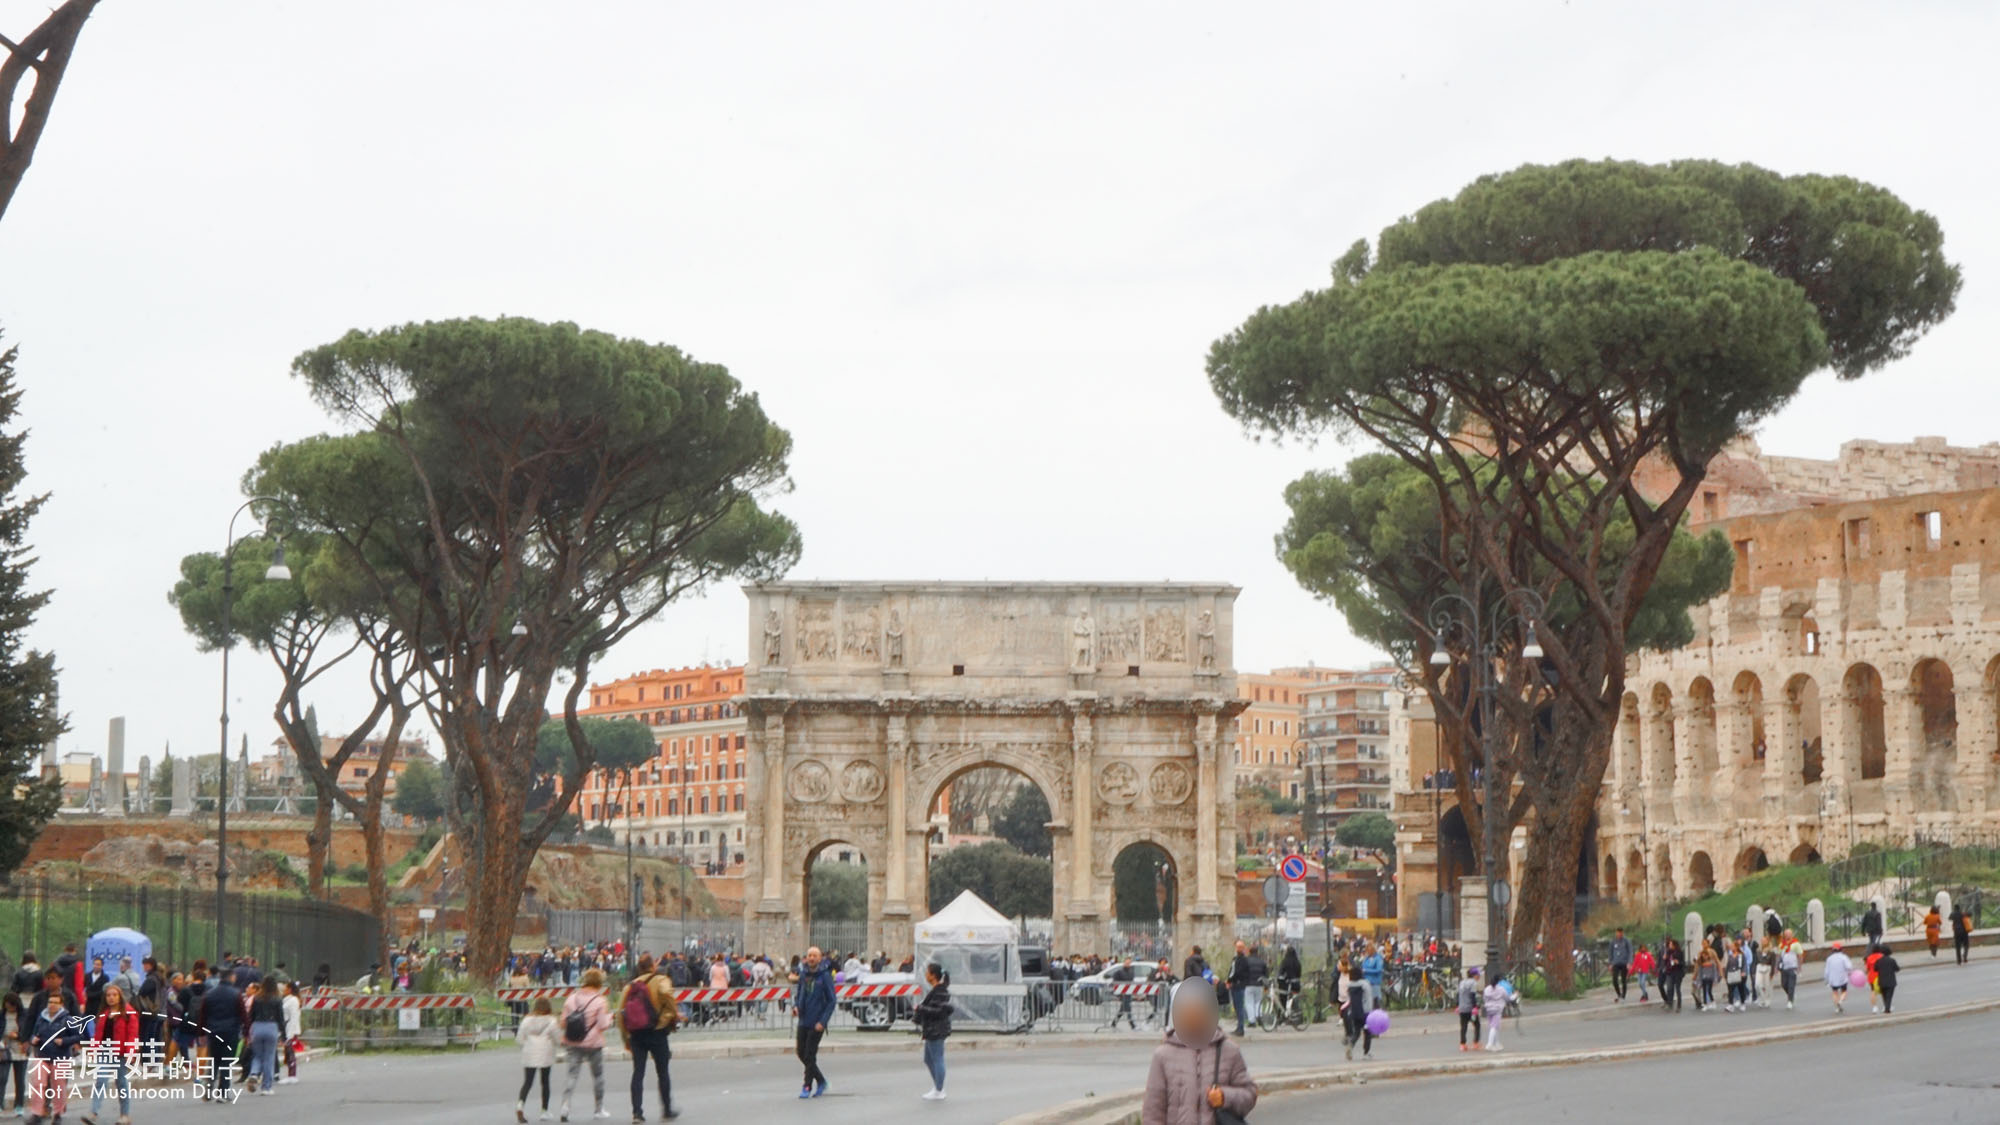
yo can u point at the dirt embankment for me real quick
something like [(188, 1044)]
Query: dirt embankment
[(158, 861)]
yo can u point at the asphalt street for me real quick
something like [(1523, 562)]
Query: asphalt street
[(991, 1083), (1946, 1071)]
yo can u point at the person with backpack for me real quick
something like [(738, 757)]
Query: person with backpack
[(1961, 933), (647, 1016), (586, 1016), (932, 1016), (813, 1000), (539, 1039)]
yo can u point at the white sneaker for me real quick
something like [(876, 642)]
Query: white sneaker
[(602, 1113), (1788, 1005), (940, 1095), (544, 1116)]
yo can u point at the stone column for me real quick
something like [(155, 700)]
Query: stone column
[(774, 813), (1209, 774), (897, 905), (1685, 758), (1902, 730), (1083, 782), (1783, 757), (1976, 739), (1732, 753)]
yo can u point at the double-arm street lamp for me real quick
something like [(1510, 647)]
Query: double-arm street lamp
[(276, 572), (1481, 628)]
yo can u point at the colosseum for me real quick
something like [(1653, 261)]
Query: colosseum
[(1843, 690)]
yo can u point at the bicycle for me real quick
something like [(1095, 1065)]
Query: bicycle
[(1283, 1004)]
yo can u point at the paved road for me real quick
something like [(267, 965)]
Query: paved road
[(986, 1085), (1947, 1071)]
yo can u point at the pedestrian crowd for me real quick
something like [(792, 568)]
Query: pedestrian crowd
[(78, 1019)]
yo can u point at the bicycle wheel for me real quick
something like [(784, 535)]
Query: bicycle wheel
[(1269, 1016), (1295, 1009)]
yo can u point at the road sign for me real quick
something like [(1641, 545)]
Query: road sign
[(1274, 890), (1295, 912), (1502, 893), (1293, 868)]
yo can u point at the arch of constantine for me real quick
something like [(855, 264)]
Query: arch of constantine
[(865, 700), (1843, 691)]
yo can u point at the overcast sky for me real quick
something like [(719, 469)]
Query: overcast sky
[(971, 255)]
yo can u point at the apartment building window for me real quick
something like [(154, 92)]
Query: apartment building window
[(704, 804), (673, 806), (738, 802)]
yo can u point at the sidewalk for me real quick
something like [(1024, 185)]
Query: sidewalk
[(1587, 1031)]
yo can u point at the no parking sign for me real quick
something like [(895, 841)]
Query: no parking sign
[(1293, 868)]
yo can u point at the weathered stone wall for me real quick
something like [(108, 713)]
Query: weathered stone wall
[(1844, 690), (865, 700)]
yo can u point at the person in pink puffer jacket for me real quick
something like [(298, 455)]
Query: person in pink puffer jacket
[(592, 1009), (1197, 1069)]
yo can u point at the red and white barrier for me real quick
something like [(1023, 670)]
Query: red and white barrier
[(514, 994), (873, 991), (407, 1000), (1126, 988), (729, 995)]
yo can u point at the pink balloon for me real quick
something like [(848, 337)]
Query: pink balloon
[(1857, 979)]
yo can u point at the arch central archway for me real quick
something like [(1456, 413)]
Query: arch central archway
[(988, 831)]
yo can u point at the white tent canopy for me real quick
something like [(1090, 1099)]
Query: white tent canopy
[(967, 921), (980, 948)]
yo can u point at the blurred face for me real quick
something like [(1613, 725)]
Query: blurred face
[(1195, 1015), (813, 957), (55, 1001)]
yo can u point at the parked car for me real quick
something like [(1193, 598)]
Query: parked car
[(1093, 989), (880, 1013)]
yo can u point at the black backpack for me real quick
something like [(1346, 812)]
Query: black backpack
[(576, 1027)]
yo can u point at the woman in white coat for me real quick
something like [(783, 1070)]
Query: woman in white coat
[(539, 1038)]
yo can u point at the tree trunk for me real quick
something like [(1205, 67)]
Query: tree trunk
[(373, 835), (501, 859), (319, 840)]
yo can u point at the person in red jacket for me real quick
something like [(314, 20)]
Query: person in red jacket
[(118, 1029), (1642, 970)]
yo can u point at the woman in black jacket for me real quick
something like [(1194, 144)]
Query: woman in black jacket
[(933, 1017)]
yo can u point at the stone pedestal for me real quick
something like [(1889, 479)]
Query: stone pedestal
[(1474, 921)]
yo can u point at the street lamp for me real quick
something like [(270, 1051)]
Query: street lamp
[(1482, 628), (276, 572)]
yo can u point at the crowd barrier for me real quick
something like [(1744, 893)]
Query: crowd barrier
[(356, 1018)]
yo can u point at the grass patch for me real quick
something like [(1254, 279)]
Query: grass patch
[(1785, 889)]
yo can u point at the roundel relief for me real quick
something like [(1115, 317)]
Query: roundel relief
[(861, 782), (1170, 784), (810, 782), (1118, 783)]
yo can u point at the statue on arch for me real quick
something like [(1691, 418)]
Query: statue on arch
[(1084, 629)]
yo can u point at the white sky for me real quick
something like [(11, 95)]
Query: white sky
[(971, 255)]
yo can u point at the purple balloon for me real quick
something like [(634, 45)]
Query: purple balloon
[(1857, 979), (1377, 1022)]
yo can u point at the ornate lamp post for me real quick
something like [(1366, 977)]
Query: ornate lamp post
[(1481, 627)]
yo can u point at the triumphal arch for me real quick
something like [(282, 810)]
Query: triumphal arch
[(866, 699)]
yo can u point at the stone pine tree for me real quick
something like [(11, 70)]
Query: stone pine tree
[(522, 496), (29, 719), (1559, 334), (31, 71), (1369, 539)]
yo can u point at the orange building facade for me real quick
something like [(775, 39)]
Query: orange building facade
[(1268, 733), (689, 799)]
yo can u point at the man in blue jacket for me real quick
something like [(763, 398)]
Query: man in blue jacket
[(812, 999)]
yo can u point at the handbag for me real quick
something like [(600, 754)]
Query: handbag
[(1223, 1114)]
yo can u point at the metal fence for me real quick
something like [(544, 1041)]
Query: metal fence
[(301, 933), (656, 935)]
